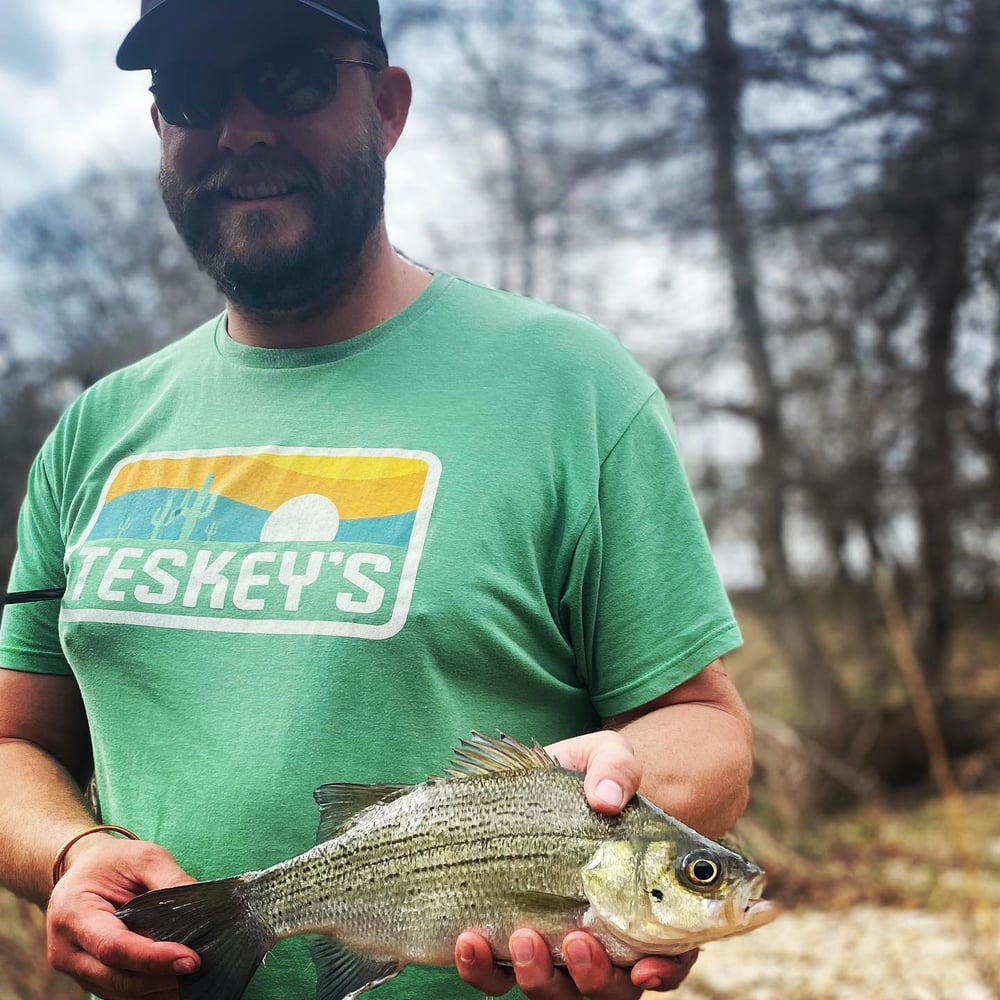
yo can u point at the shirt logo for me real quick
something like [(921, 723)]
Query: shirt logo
[(271, 540)]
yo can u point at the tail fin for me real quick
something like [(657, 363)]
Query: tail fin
[(213, 918)]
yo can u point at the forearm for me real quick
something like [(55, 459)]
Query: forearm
[(703, 782), (696, 750), (43, 807)]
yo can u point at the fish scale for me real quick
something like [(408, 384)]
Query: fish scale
[(505, 840), (452, 869)]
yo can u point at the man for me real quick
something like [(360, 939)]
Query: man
[(366, 510)]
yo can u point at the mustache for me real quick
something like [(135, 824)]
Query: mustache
[(225, 173)]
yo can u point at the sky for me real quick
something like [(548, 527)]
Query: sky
[(63, 103)]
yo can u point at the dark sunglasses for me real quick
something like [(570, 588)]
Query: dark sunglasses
[(282, 82)]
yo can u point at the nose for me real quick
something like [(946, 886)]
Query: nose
[(244, 126)]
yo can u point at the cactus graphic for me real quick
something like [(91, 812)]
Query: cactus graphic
[(123, 527), (197, 505), (211, 530), (164, 517)]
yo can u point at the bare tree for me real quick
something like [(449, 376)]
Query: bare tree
[(97, 278), (842, 154)]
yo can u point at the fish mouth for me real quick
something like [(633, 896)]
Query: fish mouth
[(745, 910), (759, 912)]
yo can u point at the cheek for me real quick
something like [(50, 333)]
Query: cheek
[(186, 152)]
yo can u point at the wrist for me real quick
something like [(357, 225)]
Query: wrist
[(78, 843)]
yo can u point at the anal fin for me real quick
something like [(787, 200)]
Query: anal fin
[(343, 974)]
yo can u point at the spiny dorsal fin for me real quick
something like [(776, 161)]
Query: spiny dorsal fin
[(481, 754), (340, 803)]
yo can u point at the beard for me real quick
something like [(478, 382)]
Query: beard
[(344, 204)]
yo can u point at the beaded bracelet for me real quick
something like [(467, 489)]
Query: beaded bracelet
[(59, 864)]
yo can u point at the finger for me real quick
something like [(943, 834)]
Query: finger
[(106, 938), (664, 972), (475, 964), (591, 970), (537, 977), (94, 930), (113, 984), (611, 770)]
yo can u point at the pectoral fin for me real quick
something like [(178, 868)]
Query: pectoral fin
[(546, 903)]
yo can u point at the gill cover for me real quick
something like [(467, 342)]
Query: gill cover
[(644, 894)]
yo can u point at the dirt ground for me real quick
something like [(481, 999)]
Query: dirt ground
[(864, 953), (879, 906)]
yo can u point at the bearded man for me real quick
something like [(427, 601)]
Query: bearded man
[(367, 509)]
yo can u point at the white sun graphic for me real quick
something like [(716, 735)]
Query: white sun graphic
[(306, 518)]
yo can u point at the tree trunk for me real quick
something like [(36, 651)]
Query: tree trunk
[(947, 169), (818, 686)]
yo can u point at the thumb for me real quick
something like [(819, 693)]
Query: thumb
[(153, 867), (611, 770)]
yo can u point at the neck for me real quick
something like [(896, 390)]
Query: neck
[(386, 284)]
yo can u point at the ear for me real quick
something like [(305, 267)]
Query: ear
[(154, 113), (393, 94)]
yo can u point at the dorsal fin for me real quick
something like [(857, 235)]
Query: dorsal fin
[(340, 803), (481, 754)]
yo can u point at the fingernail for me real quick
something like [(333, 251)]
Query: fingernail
[(522, 950), (653, 983), (578, 953), (184, 965), (466, 953), (610, 793)]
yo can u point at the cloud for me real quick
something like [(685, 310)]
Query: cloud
[(64, 105), (26, 47)]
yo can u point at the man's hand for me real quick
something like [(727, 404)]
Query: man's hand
[(588, 971), (611, 770), (87, 941), (612, 774)]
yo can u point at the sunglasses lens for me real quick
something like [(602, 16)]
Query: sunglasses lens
[(290, 83), (191, 95)]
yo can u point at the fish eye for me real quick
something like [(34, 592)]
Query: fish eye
[(700, 871)]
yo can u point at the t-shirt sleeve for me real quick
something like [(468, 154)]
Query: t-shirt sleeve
[(29, 633), (644, 605)]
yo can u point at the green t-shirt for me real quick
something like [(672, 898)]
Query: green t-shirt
[(291, 567)]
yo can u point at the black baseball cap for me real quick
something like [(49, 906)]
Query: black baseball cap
[(160, 17)]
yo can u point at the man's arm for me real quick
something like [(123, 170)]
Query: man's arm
[(44, 762), (690, 752), (695, 746)]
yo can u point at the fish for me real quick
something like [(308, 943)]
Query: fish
[(504, 839)]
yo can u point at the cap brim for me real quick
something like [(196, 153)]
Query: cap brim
[(139, 49)]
